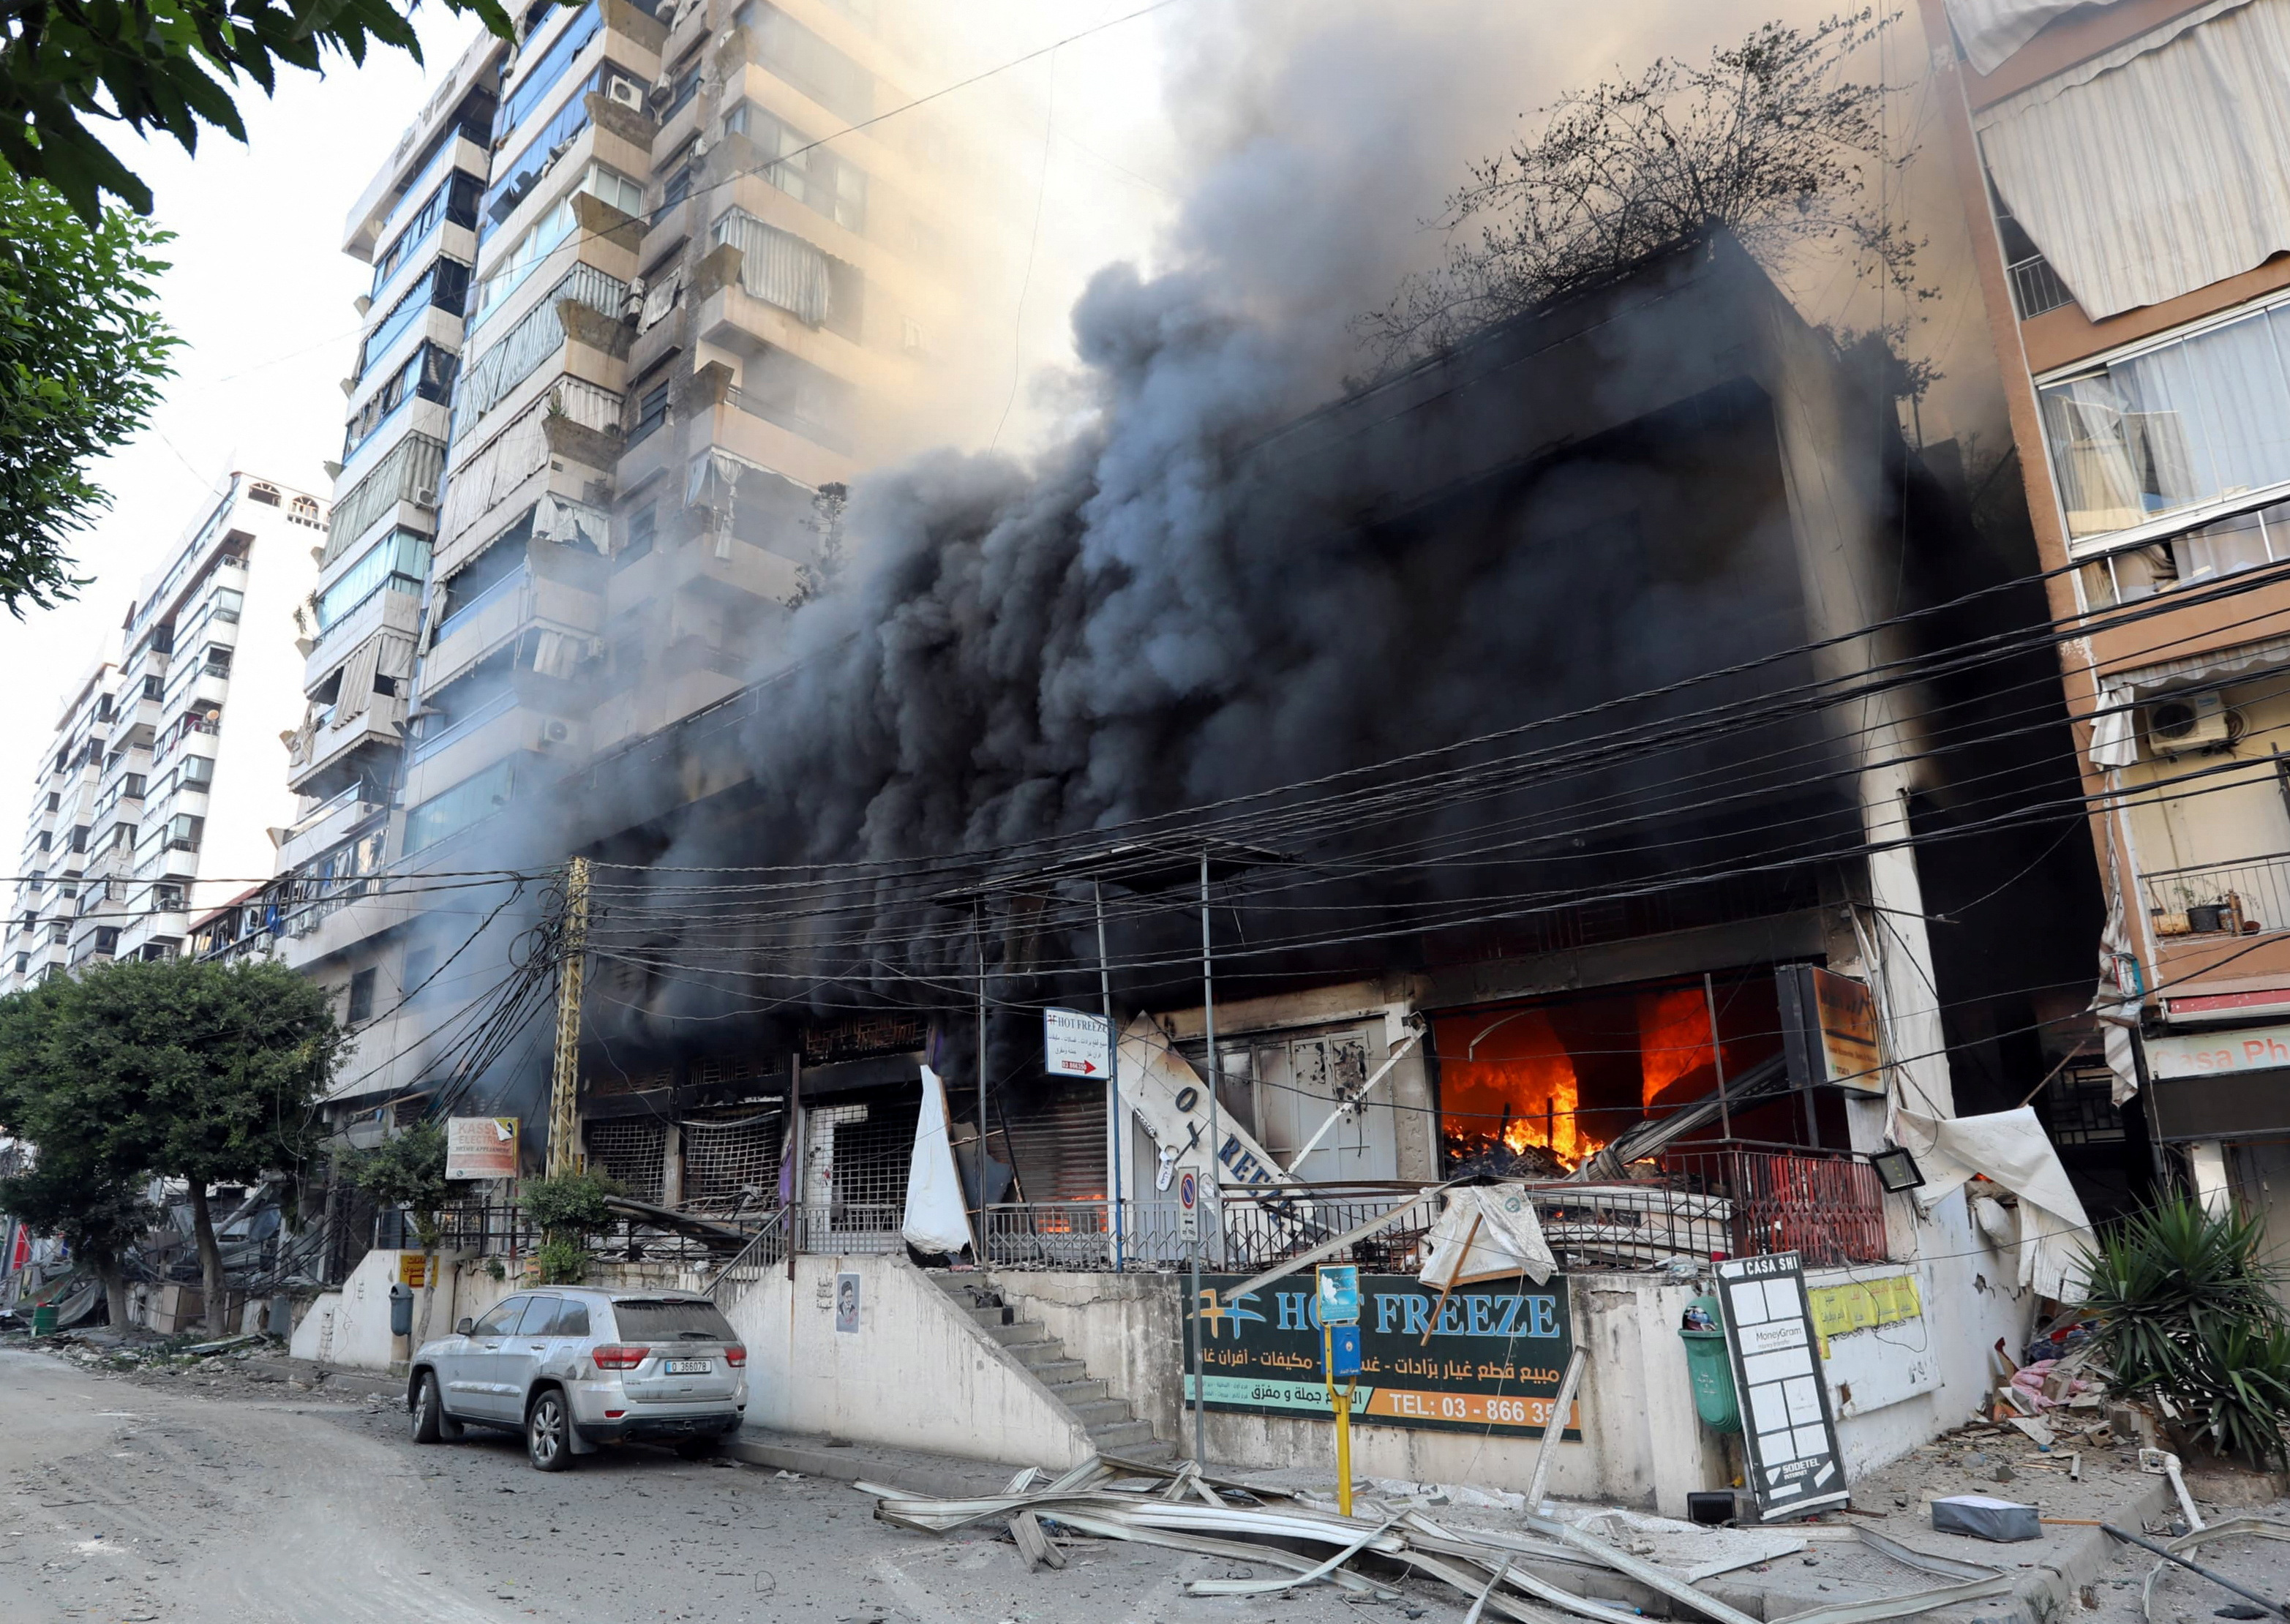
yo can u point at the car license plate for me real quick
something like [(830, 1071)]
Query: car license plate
[(690, 1367)]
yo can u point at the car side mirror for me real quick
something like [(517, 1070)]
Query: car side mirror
[(463, 1327)]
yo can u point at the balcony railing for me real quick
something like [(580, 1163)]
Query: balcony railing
[(2245, 897), (2036, 287)]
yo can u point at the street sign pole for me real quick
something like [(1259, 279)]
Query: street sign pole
[(1336, 1298)]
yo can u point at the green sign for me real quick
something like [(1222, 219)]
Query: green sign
[(1490, 1356)]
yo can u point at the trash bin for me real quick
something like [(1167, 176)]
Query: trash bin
[(401, 1310), (43, 1318), (1714, 1399)]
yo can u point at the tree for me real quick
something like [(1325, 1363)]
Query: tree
[(570, 1208), (83, 353), (165, 66), (407, 1172), (1770, 142), (70, 1190), (200, 1072)]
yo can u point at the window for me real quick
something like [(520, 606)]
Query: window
[(477, 796), (677, 187), (167, 899), (443, 286), (542, 237), (572, 1319), (499, 1318), (420, 964), (47, 839), (59, 930), (55, 799), (198, 769), (515, 179), (106, 939), (152, 687), (642, 523), (539, 1317), (456, 200), (130, 787), (652, 412), (547, 72), (428, 374), (794, 53), (360, 1008), (184, 832), (79, 838), (2191, 421), (267, 495), (477, 581), (228, 601), (683, 88), (820, 177), (103, 708), (217, 661), (669, 1319), (399, 561), (23, 963)]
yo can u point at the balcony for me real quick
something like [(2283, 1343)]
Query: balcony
[(330, 821), (329, 743), (2219, 930), (2036, 287), (383, 610)]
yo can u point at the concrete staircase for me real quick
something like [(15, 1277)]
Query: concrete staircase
[(1113, 1428)]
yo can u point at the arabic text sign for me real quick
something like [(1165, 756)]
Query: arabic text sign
[(481, 1147), (1075, 1045), (1492, 1358), (1795, 1465)]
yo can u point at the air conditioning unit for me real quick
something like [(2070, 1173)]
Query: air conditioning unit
[(426, 496), (2182, 726), (627, 93)]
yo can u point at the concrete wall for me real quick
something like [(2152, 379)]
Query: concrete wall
[(917, 1373)]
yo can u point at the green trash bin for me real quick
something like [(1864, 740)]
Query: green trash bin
[(1713, 1398), (44, 1319)]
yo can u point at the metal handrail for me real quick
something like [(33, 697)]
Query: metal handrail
[(766, 1248)]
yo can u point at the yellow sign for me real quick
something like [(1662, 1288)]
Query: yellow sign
[(413, 1269), (1837, 1309)]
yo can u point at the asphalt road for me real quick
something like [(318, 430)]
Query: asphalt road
[(208, 1498)]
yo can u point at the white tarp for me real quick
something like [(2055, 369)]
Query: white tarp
[(2011, 1148), (936, 1219), (1991, 30), (2156, 168), (1508, 1238)]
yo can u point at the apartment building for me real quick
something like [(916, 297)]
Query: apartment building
[(162, 797), (627, 318), (2127, 178)]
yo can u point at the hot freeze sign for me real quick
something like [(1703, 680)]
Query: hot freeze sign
[(1490, 1356)]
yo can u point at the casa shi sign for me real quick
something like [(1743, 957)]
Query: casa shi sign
[(1492, 1358)]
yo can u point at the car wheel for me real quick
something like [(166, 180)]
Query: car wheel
[(548, 1432), (698, 1449), (429, 1410)]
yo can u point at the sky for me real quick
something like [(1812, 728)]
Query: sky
[(1101, 137)]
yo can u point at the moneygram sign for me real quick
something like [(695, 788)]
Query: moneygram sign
[(1490, 1356)]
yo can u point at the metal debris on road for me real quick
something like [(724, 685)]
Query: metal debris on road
[(1500, 1575)]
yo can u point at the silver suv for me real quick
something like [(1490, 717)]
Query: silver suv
[(572, 1368)]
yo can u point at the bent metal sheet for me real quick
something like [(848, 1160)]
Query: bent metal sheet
[(1494, 1357)]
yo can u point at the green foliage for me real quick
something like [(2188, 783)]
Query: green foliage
[(561, 1262), (165, 67), (98, 1217), (407, 1172), (201, 1072), (570, 1206), (83, 353), (2186, 1311)]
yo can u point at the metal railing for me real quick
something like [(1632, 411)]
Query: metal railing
[(2036, 287), (2242, 898), (1825, 1205), (752, 1262), (501, 1230)]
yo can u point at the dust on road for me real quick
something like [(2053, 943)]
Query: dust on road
[(206, 1498)]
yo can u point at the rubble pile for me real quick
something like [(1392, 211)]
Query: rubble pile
[(1502, 1573)]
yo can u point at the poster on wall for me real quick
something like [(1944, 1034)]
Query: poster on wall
[(1488, 1358), (846, 1304), (481, 1147), (1787, 1428)]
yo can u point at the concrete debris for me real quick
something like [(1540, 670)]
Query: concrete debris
[(1500, 1575), (2258, 1527)]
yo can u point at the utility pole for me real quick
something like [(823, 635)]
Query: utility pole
[(978, 941), (1213, 1184), (1112, 1069), (564, 1088)]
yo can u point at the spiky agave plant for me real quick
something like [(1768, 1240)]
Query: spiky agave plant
[(2187, 1309)]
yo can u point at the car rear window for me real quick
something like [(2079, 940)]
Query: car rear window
[(665, 1319)]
